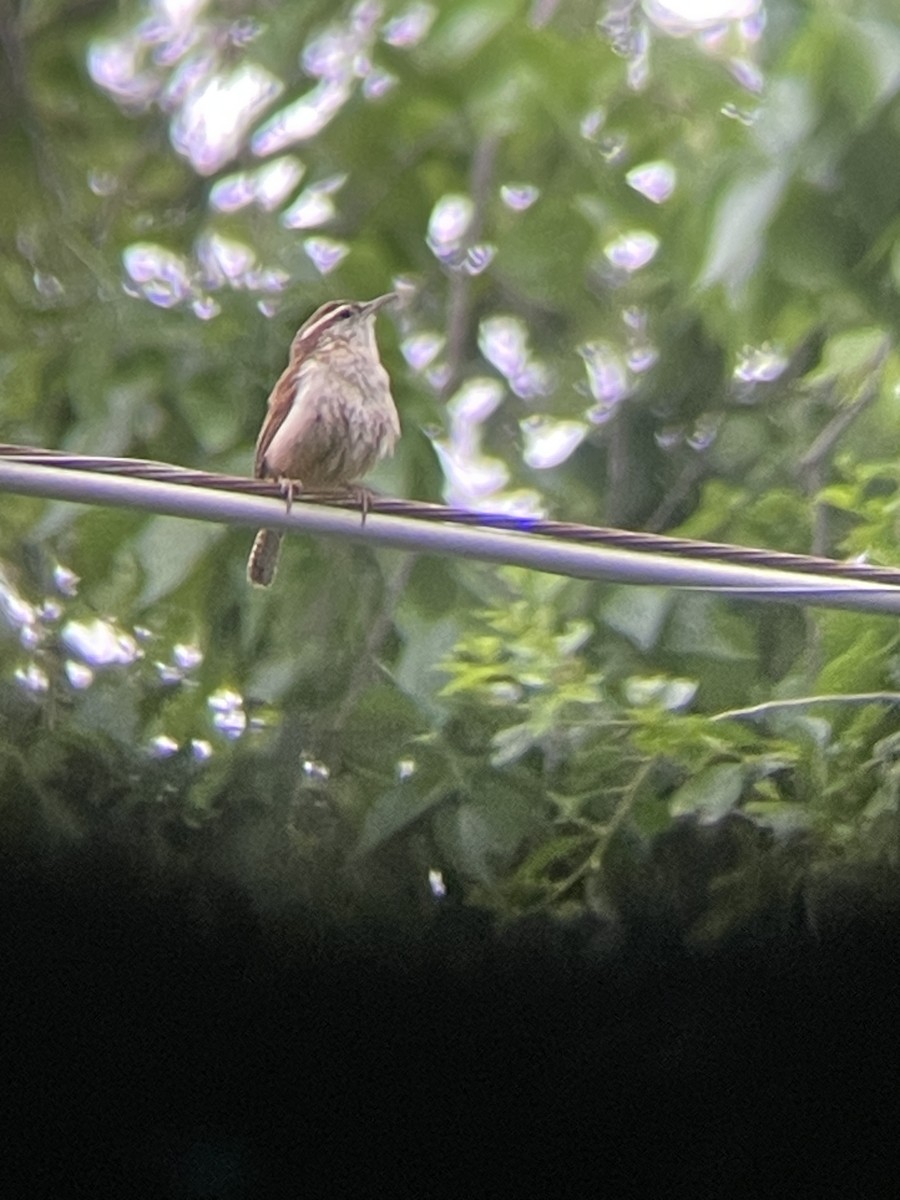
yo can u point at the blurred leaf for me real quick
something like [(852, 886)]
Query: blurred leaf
[(426, 642), (638, 614), (860, 667), (481, 835), (739, 228), (394, 810), (710, 793), (703, 626), (169, 549), (852, 355), (465, 28)]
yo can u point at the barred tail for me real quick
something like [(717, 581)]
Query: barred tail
[(263, 558)]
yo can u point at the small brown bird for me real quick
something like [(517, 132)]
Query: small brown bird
[(331, 415)]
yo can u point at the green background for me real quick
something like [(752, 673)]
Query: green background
[(379, 729)]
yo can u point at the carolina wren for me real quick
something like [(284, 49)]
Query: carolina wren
[(331, 416)]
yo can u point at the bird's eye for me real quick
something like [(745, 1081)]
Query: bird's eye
[(344, 314)]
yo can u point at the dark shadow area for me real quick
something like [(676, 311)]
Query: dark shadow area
[(169, 1040)]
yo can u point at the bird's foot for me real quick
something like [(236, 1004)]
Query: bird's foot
[(289, 488), (363, 497)]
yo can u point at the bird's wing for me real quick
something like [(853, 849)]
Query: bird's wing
[(284, 402)]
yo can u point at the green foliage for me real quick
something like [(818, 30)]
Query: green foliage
[(376, 726)]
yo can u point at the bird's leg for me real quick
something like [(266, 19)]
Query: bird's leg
[(363, 497), (288, 489)]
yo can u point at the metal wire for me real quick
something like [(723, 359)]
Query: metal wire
[(560, 531)]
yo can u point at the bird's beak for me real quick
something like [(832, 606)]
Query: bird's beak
[(372, 306)]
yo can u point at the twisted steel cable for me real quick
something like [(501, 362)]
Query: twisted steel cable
[(564, 531)]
